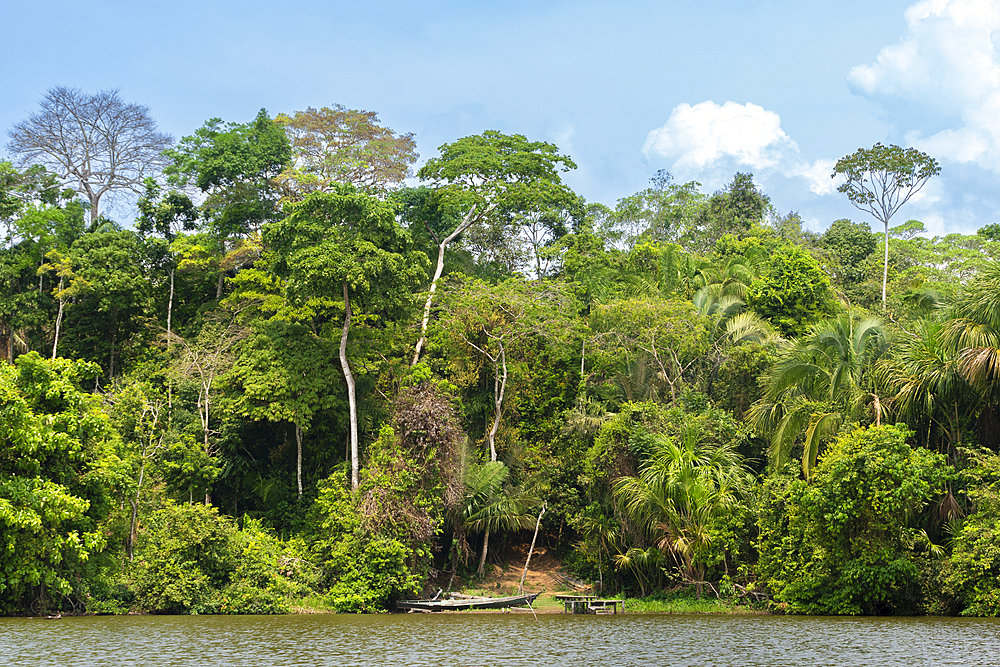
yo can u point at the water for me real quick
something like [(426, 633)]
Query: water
[(496, 639)]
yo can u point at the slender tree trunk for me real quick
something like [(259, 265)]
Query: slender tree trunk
[(482, 557), (531, 549), (55, 341), (114, 337), (218, 285), (499, 387), (470, 217), (135, 509), (454, 563), (885, 265), (298, 461), (351, 396), (170, 305), (204, 417), (170, 342)]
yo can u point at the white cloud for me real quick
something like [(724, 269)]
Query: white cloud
[(707, 137), (818, 174), (946, 62)]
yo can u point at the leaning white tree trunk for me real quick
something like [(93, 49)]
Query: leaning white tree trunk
[(170, 342), (531, 549), (351, 396), (55, 342), (499, 387), (885, 264), (470, 217)]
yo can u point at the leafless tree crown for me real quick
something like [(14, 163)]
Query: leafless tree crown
[(97, 144)]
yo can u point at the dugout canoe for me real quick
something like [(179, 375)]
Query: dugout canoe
[(467, 603)]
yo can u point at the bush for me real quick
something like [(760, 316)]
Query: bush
[(972, 574), (844, 541), (363, 571), (192, 560)]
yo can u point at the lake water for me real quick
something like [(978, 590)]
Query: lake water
[(496, 639)]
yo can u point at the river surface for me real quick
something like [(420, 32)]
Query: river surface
[(496, 639)]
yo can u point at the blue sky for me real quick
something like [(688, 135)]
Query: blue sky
[(780, 88)]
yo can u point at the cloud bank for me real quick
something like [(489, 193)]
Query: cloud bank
[(946, 63), (707, 137)]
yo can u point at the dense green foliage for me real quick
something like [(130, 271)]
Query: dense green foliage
[(297, 378), (846, 541)]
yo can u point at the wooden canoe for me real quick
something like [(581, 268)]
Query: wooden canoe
[(467, 603)]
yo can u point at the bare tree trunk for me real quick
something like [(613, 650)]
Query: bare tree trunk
[(499, 386), (170, 305), (531, 549), (218, 286), (298, 462), (55, 342), (135, 510), (170, 342), (482, 557), (454, 557), (351, 396), (885, 265), (114, 337), (467, 221)]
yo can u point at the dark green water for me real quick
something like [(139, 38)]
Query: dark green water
[(497, 639)]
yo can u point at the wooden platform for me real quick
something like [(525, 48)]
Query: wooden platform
[(588, 604)]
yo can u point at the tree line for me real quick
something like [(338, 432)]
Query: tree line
[(293, 375)]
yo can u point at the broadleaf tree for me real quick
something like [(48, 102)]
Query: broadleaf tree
[(880, 179), (484, 173), (346, 244)]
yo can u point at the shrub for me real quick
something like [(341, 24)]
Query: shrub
[(844, 542)]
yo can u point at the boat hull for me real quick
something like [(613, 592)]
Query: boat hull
[(471, 603)]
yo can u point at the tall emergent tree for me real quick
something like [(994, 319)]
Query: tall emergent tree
[(343, 145), (880, 180), (234, 165), (348, 244), (97, 144), (486, 172)]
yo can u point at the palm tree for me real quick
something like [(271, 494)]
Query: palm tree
[(490, 505), (730, 277), (974, 334), (681, 489), (818, 383), (930, 392)]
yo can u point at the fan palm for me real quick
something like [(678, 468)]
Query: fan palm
[(490, 505), (930, 391), (818, 383), (974, 332)]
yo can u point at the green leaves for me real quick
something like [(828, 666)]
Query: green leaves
[(791, 290), (57, 468), (843, 543), (684, 487), (235, 164), (346, 236), (880, 179)]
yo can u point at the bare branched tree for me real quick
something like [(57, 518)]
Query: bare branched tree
[(97, 144)]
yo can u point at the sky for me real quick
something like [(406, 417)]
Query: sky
[(778, 88)]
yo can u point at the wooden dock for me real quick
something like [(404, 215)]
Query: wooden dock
[(588, 604)]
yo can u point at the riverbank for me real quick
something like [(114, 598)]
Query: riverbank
[(547, 603)]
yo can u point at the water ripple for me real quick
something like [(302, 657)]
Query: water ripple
[(497, 639)]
